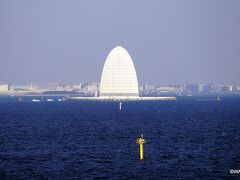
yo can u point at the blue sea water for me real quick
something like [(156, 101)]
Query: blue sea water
[(185, 139)]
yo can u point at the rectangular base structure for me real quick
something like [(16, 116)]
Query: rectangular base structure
[(123, 98)]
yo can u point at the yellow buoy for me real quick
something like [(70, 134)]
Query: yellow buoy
[(141, 141)]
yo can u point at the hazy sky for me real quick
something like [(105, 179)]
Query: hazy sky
[(170, 41)]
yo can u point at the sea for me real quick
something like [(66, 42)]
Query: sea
[(190, 138)]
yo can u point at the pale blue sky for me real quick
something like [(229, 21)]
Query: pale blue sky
[(170, 41)]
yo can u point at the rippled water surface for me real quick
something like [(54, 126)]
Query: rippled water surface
[(186, 139)]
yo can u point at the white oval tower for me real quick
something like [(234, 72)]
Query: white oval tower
[(119, 78)]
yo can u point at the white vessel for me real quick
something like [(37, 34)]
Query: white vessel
[(36, 100), (50, 100)]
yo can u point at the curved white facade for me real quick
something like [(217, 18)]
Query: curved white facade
[(119, 78)]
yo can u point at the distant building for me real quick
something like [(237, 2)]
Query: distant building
[(217, 88), (148, 89), (96, 94), (238, 87), (192, 88), (77, 87), (4, 87), (226, 89), (201, 87), (53, 85), (67, 88), (141, 88), (90, 88), (235, 88), (208, 88), (83, 85), (166, 89)]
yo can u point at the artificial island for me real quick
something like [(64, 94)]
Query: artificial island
[(119, 80)]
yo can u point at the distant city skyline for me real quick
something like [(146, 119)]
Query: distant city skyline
[(91, 89), (170, 42)]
